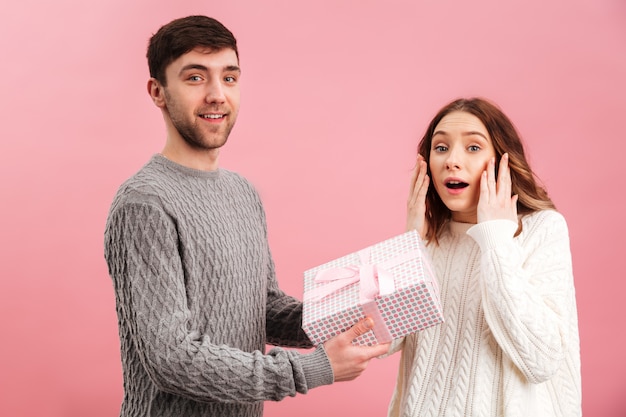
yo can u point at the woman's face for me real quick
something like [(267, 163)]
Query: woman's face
[(460, 151)]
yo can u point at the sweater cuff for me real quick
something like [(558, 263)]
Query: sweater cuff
[(492, 233), (317, 369)]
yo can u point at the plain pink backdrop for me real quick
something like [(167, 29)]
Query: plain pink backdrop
[(335, 97)]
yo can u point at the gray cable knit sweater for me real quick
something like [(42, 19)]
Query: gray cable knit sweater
[(197, 298)]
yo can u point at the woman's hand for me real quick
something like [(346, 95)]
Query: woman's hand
[(416, 204), (495, 201)]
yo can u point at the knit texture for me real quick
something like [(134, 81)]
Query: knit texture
[(197, 298), (509, 346)]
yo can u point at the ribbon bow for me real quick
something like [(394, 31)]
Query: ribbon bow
[(373, 279)]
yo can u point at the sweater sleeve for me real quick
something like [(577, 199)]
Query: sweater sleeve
[(141, 249), (284, 318), (528, 290), (284, 328)]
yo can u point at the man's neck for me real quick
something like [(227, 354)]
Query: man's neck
[(203, 160)]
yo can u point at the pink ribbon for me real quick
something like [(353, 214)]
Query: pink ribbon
[(374, 279)]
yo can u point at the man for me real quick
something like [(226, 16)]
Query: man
[(186, 246)]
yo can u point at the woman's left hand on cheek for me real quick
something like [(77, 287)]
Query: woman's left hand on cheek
[(495, 200)]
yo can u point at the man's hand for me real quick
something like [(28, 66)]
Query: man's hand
[(347, 360)]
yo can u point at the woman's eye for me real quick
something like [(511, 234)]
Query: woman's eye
[(440, 148), (474, 148)]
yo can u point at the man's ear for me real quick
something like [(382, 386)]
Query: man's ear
[(155, 89)]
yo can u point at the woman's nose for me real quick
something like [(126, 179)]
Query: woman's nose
[(453, 160)]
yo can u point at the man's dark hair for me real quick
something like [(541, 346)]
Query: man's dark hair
[(181, 36)]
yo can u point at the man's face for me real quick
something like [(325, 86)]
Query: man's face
[(202, 96)]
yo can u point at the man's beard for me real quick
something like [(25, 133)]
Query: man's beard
[(192, 133)]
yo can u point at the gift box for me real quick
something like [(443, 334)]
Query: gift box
[(392, 282)]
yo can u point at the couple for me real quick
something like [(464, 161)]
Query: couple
[(197, 298)]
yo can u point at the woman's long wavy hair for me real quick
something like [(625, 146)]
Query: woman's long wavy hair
[(505, 138)]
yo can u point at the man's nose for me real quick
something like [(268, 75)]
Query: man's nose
[(215, 92)]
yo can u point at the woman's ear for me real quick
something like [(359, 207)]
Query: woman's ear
[(155, 89)]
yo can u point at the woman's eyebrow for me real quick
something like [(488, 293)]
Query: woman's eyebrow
[(472, 133), (469, 133)]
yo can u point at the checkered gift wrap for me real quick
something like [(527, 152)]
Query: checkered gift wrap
[(404, 302)]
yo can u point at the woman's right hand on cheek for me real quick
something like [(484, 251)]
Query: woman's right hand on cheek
[(416, 204), (495, 200)]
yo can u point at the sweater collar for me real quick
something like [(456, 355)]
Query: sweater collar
[(181, 169), (458, 228)]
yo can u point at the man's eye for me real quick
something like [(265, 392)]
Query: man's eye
[(195, 78), (230, 79)]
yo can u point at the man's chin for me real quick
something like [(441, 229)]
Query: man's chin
[(206, 143)]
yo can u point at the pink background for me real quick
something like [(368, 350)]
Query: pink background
[(335, 96)]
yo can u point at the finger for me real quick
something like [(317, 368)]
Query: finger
[(424, 187), (491, 178), (378, 350), (504, 178), (360, 328), (421, 185), (484, 189), (417, 179), (416, 174)]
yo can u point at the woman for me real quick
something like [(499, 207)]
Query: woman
[(509, 345)]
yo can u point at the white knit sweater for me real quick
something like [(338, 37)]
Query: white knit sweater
[(509, 346)]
